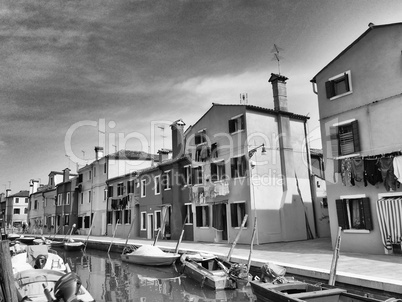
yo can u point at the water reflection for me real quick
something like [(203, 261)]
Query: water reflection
[(111, 280)]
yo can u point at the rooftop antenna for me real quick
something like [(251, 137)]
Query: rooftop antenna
[(243, 98), (276, 50), (163, 136)]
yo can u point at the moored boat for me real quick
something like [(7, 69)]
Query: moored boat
[(13, 236), (26, 239), (149, 255), (72, 245), (210, 271)]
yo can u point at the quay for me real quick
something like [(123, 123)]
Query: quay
[(310, 259)]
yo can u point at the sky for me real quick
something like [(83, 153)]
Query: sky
[(75, 74)]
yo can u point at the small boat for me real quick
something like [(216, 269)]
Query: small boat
[(208, 271), (26, 239), (13, 236), (37, 256), (72, 245), (148, 255), (54, 243), (44, 285)]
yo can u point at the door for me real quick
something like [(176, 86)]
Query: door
[(150, 226)]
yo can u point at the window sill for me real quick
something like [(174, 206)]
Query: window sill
[(168, 189), (347, 156), (356, 231), (341, 95), (236, 132)]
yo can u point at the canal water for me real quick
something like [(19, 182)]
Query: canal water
[(109, 279)]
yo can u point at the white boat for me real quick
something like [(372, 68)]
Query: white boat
[(149, 255), (72, 245), (43, 285)]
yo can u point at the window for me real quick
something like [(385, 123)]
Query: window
[(90, 174), (94, 171), (167, 180), (86, 222), (59, 200), (127, 216), (82, 197), (25, 210), (16, 211), (66, 219), (339, 85), (218, 171), (105, 194), (17, 200), (130, 186), (117, 217), (104, 168), (157, 185), (236, 124), (200, 137), (79, 222), (143, 220), (202, 153), (197, 175), (189, 212), (354, 213), (26, 200), (68, 198), (120, 189), (35, 205), (158, 220), (237, 212), (109, 217), (110, 191), (202, 216), (143, 187), (345, 138), (214, 150), (187, 175), (89, 196), (238, 166)]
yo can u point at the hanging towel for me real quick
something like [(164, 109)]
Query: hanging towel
[(372, 174), (386, 167), (346, 172), (397, 163), (357, 169)]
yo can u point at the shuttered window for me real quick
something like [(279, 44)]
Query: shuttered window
[(354, 213), (237, 213), (238, 166), (345, 139), (338, 86), (236, 124), (202, 216)]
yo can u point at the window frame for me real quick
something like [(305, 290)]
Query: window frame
[(143, 221), (237, 124), (68, 198), (238, 164), (330, 85), (167, 180), (198, 175), (120, 189), (143, 188), (189, 213), (157, 184), (218, 170), (335, 139), (188, 177), (157, 219), (202, 212), (344, 212), (237, 212)]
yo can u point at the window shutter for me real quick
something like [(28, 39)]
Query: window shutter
[(233, 215), (347, 86), (214, 150), (366, 210), (214, 172), (342, 214), (243, 166), (356, 138), (231, 126), (242, 122), (207, 214), (333, 136), (199, 216), (232, 167), (329, 87)]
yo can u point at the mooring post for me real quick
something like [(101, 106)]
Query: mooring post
[(6, 273)]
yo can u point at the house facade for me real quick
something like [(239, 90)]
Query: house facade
[(359, 96), (17, 209), (228, 177)]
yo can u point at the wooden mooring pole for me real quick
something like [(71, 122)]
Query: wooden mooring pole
[(6, 273), (335, 257)]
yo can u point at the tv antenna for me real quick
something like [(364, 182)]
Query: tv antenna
[(243, 98), (163, 136), (276, 50)]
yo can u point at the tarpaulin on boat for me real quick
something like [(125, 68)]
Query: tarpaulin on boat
[(389, 211)]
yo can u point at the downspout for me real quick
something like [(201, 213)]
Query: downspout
[(310, 175)]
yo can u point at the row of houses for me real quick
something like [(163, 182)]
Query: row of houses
[(235, 160), (216, 173)]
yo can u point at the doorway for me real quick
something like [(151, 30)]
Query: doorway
[(150, 226)]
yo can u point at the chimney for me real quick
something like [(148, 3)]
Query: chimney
[(66, 174), (33, 186), (279, 91), (8, 192), (163, 155), (98, 152), (177, 138)]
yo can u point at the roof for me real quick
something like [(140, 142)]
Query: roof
[(259, 109), (129, 154), (371, 28), (22, 193)]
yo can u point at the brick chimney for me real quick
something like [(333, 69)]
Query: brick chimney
[(66, 174), (279, 91), (33, 186), (163, 155), (177, 138), (98, 152), (8, 192)]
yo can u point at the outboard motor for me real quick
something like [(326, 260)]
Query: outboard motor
[(67, 288), (40, 262)]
